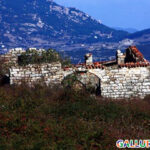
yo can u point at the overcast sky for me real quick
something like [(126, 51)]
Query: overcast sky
[(115, 13)]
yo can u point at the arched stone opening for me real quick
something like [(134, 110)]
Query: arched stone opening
[(87, 80), (93, 83), (72, 81)]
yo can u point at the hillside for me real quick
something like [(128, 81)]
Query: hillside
[(129, 30), (38, 23), (142, 37), (46, 24)]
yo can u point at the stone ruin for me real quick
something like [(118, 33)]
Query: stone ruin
[(126, 76)]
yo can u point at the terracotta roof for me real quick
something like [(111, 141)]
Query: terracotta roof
[(137, 64), (105, 62), (95, 66), (136, 52)]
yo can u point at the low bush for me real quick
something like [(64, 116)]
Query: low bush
[(42, 118), (47, 56)]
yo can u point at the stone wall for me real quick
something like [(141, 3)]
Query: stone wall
[(49, 74), (11, 56), (114, 83), (124, 82)]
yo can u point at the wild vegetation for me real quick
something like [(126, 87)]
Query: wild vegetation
[(45, 118), (63, 118), (47, 56)]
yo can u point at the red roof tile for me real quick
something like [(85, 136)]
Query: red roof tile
[(137, 64), (137, 53)]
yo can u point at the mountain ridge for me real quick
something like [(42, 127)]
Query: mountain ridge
[(47, 16), (129, 30), (45, 24)]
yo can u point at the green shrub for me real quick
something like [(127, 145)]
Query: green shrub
[(35, 57), (47, 56)]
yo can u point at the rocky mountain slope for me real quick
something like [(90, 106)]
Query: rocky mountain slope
[(27, 22), (142, 37), (34, 23), (45, 24)]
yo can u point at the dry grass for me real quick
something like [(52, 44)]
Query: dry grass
[(62, 119)]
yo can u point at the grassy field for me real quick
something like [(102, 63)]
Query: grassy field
[(63, 119)]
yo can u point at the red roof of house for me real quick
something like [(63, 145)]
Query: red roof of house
[(137, 64), (143, 62), (137, 53)]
